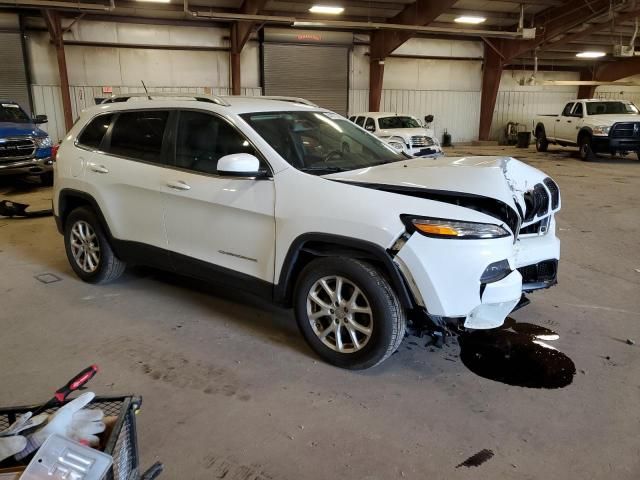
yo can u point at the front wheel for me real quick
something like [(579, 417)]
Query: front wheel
[(88, 249), (586, 152), (348, 313), (542, 145), (46, 179)]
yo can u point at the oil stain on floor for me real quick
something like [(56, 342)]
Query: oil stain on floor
[(517, 354)]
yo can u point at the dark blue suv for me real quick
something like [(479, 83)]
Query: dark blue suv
[(25, 149)]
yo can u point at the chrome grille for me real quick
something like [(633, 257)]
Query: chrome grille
[(625, 130), (16, 149), (555, 192), (421, 141)]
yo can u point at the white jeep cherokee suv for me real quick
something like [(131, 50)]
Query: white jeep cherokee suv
[(257, 193)]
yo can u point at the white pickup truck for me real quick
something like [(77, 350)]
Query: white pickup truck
[(595, 126)]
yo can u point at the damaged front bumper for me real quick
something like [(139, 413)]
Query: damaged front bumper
[(444, 275)]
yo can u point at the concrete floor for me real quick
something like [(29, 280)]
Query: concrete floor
[(230, 386)]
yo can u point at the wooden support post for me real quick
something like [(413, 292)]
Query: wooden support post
[(52, 19), (491, 75)]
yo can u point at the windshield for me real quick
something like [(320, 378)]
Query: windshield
[(398, 122), (319, 142), (604, 108), (10, 112)]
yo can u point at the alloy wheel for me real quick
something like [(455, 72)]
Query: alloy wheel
[(340, 314), (85, 246)]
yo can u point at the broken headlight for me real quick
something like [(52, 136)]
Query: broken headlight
[(443, 228)]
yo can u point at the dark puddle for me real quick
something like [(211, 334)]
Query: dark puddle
[(477, 459), (517, 354)]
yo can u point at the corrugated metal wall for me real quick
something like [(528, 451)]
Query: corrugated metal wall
[(519, 102), (522, 107), (47, 100), (458, 112)]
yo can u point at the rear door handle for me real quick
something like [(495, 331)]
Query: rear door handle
[(568, 121), (557, 119), (98, 168), (178, 185)]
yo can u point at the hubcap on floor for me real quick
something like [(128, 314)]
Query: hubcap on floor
[(339, 314), (85, 247)]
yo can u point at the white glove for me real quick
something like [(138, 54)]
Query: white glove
[(70, 421), (24, 422), (11, 445)]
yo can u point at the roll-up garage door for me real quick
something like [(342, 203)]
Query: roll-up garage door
[(319, 73), (13, 75)]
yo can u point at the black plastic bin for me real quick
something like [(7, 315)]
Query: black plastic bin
[(122, 443), (524, 139)]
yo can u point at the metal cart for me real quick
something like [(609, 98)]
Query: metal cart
[(121, 442)]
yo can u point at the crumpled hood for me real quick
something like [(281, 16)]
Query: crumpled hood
[(500, 178), (11, 129)]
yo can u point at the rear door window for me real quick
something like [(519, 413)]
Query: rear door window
[(94, 132), (138, 135), (360, 121)]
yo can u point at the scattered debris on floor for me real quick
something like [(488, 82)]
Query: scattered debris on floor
[(478, 459), (630, 342), (14, 209)]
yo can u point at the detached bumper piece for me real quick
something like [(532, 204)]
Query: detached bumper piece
[(540, 275)]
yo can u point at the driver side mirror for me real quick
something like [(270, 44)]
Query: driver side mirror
[(243, 165), (428, 118), (40, 119)]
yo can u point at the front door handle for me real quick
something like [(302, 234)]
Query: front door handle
[(178, 185), (557, 119), (568, 121), (98, 168)]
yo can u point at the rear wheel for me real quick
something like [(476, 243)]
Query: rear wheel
[(542, 145), (586, 152), (88, 249), (348, 313)]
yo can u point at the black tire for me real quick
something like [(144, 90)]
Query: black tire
[(638, 155), (586, 152), (47, 179), (542, 145), (109, 267), (387, 320)]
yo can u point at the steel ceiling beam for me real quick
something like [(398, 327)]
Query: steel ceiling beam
[(565, 38)]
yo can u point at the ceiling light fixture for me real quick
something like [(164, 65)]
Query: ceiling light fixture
[(155, 1), (330, 10), (590, 54), (472, 19)]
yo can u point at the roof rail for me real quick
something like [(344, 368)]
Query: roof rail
[(125, 97), (304, 101)]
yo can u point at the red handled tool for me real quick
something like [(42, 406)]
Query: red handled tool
[(74, 384)]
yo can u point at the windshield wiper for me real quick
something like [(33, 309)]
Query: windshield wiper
[(327, 169)]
